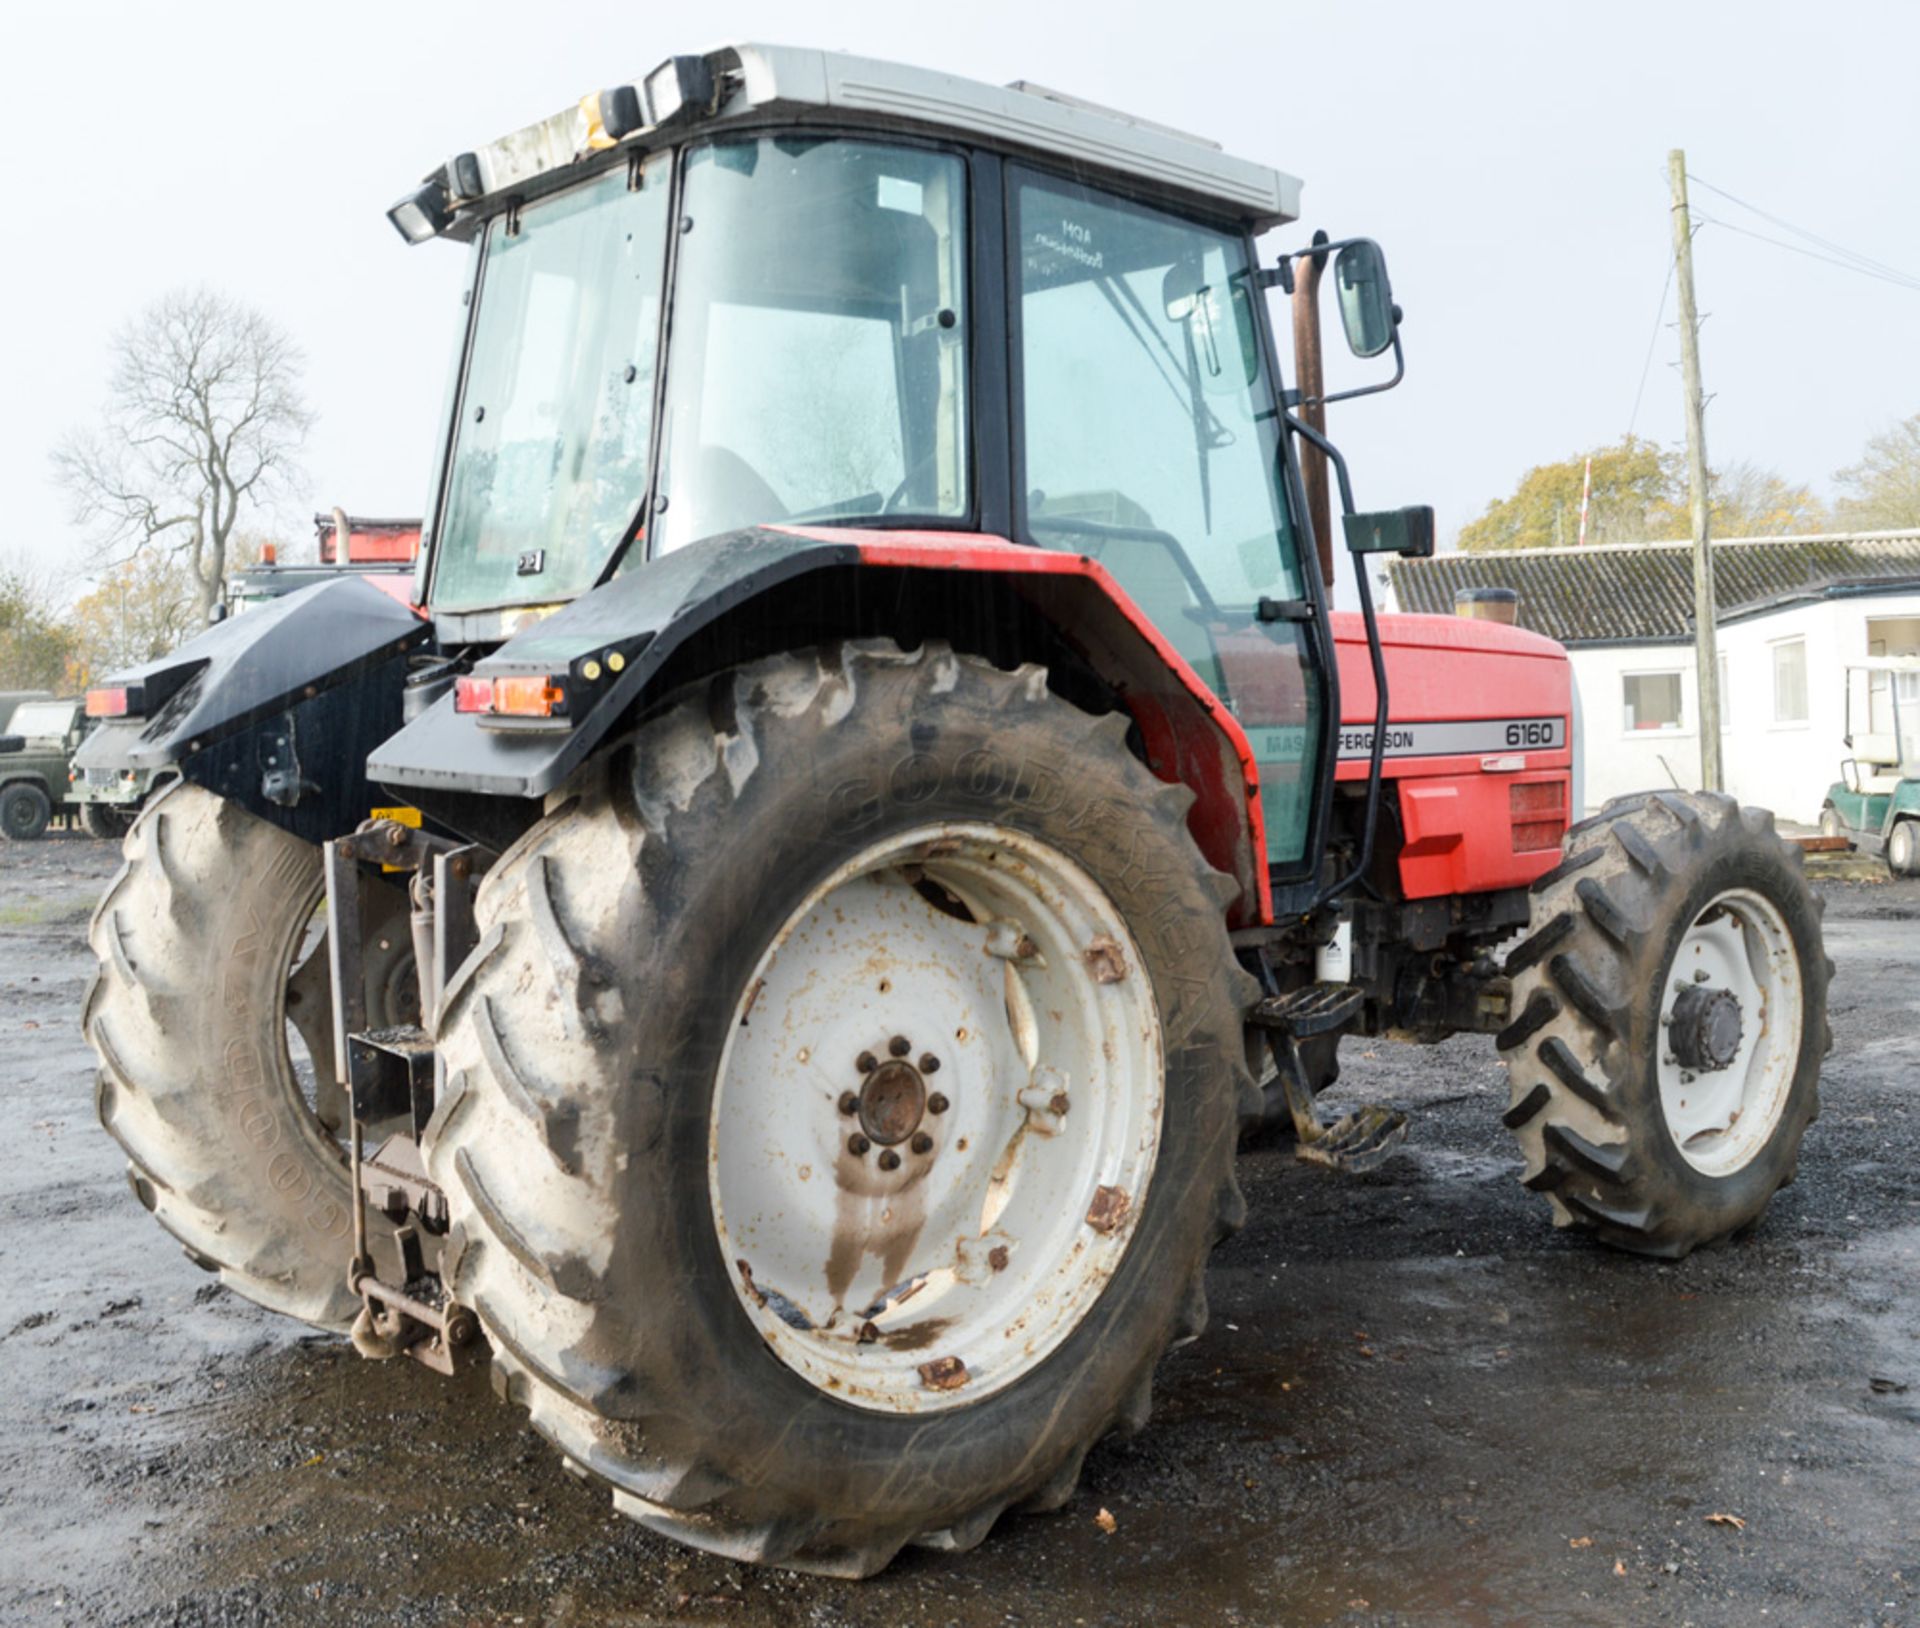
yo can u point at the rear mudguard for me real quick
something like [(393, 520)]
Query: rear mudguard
[(612, 646), (276, 709)]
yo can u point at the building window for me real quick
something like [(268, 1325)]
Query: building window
[(1652, 700), (1790, 682)]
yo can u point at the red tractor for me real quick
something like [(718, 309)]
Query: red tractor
[(780, 947)]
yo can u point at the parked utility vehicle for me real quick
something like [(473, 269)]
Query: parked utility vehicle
[(33, 774), (1875, 804), (880, 767)]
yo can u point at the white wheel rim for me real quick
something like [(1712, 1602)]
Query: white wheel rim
[(1720, 1118), (943, 1280)]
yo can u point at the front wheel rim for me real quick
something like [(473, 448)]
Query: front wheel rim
[(1722, 1114), (936, 1118)]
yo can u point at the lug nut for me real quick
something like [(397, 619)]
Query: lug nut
[(899, 1045), (922, 1143), (889, 1160), (866, 1062), (929, 1064), (1699, 975), (936, 1104), (857, 1145), (849, 1103)]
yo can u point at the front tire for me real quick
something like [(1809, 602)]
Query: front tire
[(24, 812), (104, 822), (1903, 849), (650, 1116), (1831, 825), (207, 954), (1670, 1005)]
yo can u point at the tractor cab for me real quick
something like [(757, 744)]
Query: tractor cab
[(770, 292), (1875, 804)]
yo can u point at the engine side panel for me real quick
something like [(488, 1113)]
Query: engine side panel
[(1479, 752)]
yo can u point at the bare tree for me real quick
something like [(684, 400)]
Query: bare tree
[(203, 422)]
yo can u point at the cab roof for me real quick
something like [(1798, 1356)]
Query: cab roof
[(753, 83)]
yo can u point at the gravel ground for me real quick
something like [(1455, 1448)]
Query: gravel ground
[(1416, 1403)]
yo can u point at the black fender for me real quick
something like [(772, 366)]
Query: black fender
[(276, 709), (747, 593)]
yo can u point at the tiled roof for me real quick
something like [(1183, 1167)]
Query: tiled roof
[(1638, 591)]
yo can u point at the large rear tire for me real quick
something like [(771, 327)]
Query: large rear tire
[(694, 1242), (208, 950), (1671, 1016)]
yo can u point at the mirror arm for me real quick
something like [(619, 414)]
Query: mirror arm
[(1399, 373)]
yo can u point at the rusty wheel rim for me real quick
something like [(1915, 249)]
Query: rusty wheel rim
[(936, 1118)]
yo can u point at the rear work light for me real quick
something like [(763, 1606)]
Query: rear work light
[(536, 695), (115, 701)]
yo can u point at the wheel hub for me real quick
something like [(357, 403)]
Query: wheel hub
[(1706, 1030), (892, 1102)]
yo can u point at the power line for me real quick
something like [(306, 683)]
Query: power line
[(1836, 254), (1897, 280), (1801, 231), (1653, 339)]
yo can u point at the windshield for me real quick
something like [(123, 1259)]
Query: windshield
[(819, 337), (551, 454), (1150, 440), (41, 719), (1893, 717), (1148, 417)]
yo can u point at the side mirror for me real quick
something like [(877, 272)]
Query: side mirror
[(13, 743), (1366, 297), (1407, 532)]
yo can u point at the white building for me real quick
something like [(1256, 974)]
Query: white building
[(1792, 611)]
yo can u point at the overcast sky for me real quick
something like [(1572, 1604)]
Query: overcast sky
[(1511, 159)]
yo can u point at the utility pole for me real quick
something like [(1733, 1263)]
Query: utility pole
[(1706, 662)]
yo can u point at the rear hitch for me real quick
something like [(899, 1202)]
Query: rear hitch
[(390, 1076)]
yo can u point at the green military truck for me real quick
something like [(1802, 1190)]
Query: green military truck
[(34, 784), (1875, 804)]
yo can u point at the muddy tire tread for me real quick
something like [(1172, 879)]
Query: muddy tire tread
[(1578, 984), (538, 925), (169, 1105)]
